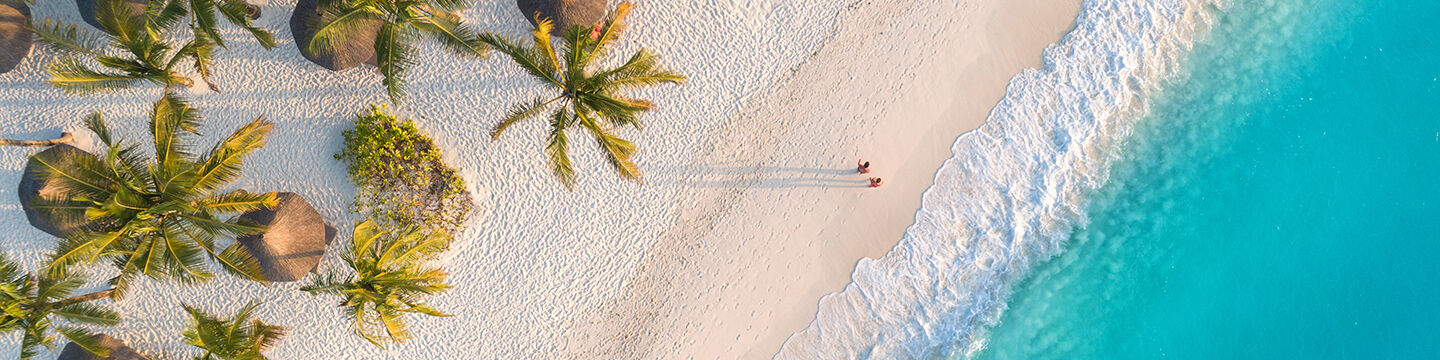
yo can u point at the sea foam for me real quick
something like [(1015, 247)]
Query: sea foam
[(1013, 191)]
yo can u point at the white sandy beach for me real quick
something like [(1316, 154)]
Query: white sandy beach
[(750, 214), (782, 218)]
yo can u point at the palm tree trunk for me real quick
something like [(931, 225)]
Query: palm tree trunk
[(65, 138), (87, 297)]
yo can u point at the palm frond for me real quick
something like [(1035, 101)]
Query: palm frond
[(267, 336), (642, 70), (425, 309), (234, 259), (558, 149), (48, 289), (9, 270), (459, 38), (204, 13), (617, 151), (328, 284), (234, 11), (120, 284), (236, 201), (171, 120), (183, 259), (214, 226), (74, 174), (617, 111), (237, 261), (201, 51), (168, 15), (31, 340), (96, 123), (529, 60), (78, 248), (577, 59), (519, 113), (394, 325), (149, 257), (59, 208), (411, 246), (122, 23), (392, 54), (75, 78), (366, 236), (610, 31), (84, 313), (544, 46), (84, 339), (66, 38), (343, 26), (221, 164)]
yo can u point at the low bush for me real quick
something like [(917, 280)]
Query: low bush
[(401, 176)]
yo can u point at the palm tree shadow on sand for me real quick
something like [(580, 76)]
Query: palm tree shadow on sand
[(730, 175)]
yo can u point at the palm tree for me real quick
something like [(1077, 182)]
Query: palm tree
[(149, 58), (587, 98), (236, 338), (34, 304), (402, 22), (159, 219), (389, 281)]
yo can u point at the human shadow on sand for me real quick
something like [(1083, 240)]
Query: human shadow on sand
[(763, 177)]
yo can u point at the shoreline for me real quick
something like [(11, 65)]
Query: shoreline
[(777, 217)]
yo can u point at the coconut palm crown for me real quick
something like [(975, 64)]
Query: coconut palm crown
[(587, 98), (390, 280), (403, 22), (236, 338), (34, 305), (157, 217), (147, 57)]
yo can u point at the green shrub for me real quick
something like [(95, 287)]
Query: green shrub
[(401, 178)]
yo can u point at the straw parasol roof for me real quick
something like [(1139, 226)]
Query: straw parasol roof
[(15, 39), (87, 9), (565, 13), (118, 350), (294, 242), (32, 185), (361, 49)]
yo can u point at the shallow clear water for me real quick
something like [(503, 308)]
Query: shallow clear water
[(1280, 200)]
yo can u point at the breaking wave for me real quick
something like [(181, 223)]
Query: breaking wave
[(1013, 191)]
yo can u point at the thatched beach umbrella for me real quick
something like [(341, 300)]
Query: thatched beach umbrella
[(87, 9), (294, 241), (565, 13), (361, 48), (15, 39), (33, 185), (118, 350)]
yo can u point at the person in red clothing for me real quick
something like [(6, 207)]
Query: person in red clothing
[(862, 166), (874, 182)]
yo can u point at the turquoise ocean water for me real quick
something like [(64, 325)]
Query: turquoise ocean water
[(1281, 200)]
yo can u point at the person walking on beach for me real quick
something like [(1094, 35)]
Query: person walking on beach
[(874, 182), (863, 166)]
